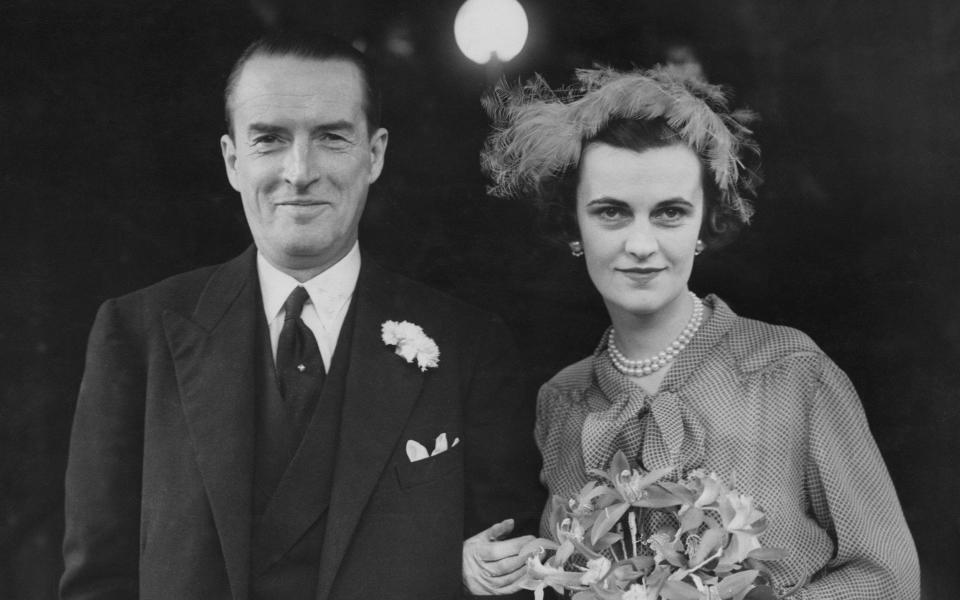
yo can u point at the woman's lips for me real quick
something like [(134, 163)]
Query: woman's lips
[(641, 275)]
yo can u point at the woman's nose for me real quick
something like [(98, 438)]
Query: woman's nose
[(300, 167), (641, 241)]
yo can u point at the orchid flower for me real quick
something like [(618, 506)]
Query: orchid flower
[(632, 486), (637, 591), (700, 555), (570, 527), (745, 524), (710, 490), (595, 570), (538, 576)]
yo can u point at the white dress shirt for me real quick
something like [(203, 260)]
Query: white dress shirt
[(330, 293)]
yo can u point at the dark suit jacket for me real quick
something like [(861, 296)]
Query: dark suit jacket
[(158, 501)]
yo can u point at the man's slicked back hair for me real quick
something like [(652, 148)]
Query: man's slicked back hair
[(315, 46)]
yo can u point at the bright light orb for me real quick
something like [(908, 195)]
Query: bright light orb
[(488, 28)]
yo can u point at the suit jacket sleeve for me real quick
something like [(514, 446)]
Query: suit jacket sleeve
[(502, 462), (103, 478)]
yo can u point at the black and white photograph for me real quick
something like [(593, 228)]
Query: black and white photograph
[(450, 299)]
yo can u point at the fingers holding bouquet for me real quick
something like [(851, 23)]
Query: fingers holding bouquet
[(495, 566)]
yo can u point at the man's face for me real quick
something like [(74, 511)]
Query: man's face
[(302, 158)]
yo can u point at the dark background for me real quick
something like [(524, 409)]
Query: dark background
[(111, 178)]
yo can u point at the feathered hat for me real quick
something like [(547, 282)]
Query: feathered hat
[(539, 132)]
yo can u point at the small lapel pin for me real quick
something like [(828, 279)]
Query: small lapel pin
[(301, 368)]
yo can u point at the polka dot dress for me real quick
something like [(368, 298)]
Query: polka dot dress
[(764, 408)]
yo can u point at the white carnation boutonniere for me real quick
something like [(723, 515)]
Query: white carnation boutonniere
[(412, 343)]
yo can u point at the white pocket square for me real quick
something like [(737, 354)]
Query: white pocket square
[(416, 451)]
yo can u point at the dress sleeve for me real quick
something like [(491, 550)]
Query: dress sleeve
[(545, 398), (853, 499), (103, 480)]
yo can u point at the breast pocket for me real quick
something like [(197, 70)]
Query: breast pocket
[(413, 474)]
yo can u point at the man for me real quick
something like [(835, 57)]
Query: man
[(297, 422)]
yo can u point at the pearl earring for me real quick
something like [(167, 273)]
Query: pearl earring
[(576, 248), (700, 247)]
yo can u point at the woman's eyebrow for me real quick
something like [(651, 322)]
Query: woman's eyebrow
[(606, 200), (675, 200)]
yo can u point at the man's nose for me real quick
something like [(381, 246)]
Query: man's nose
[(641, 241), (300, 167)]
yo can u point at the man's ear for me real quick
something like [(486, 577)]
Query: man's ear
[(229, 151), (378, 152)]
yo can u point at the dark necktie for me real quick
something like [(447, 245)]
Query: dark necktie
[(300, 371)]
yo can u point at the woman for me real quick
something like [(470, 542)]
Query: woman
[(645, 168)]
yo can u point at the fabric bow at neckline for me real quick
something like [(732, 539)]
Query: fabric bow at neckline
[(655, 431)]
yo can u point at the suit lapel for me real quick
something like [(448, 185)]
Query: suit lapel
[(213, 357), (381, 391)]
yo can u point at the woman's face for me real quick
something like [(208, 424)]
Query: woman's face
[(639, 215)]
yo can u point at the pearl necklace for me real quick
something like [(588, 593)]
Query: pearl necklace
[(646, 366)]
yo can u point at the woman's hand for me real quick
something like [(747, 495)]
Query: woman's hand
[(492, 566)]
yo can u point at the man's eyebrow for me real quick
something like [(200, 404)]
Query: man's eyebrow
[(339, 125), (263, 128)]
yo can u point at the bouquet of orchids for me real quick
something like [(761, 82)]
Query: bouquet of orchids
[(631, 536)]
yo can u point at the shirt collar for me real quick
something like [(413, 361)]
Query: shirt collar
[(335, 285)]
